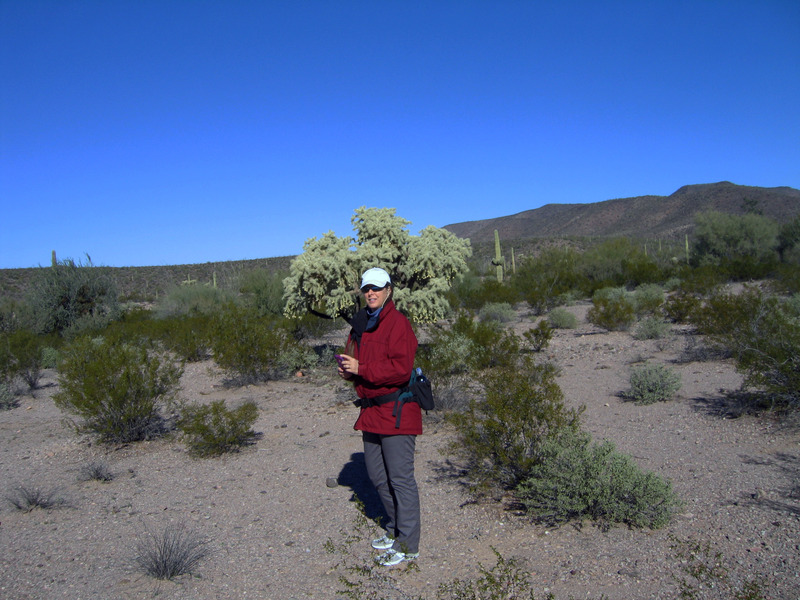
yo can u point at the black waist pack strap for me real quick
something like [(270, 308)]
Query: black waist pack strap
[(378, 400)]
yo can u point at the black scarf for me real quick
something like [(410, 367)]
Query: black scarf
[(363, 321)]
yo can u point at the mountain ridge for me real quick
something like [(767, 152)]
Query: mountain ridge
[(648, 216)]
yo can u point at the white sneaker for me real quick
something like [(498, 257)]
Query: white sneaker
[(393, 557), (383, 543)]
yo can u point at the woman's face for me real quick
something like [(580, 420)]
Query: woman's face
[(376, 297)]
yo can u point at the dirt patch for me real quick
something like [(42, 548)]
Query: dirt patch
[(269, 510)]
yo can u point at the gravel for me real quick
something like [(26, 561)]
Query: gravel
[(270, 513)]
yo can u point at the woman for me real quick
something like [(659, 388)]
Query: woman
[(380, 356)]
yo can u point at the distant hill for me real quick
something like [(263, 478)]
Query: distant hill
[(641, 217)]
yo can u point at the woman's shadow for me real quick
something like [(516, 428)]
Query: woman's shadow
[(354, 475)]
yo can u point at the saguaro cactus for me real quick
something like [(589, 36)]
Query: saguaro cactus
[(53, 261), (498, 260)]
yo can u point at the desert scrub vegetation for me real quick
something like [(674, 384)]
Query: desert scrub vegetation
[(174, 552), (500, 435), (761, 332), (612, 309), (71, 298), (538, 338), (561, 318), (502, 312), (96, 470), (251, 348), (651, 328), (213, 429), (577, 479), (117, 390), (26, 498), (652, 383)]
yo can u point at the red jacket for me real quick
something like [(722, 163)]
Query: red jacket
[(385, 358)]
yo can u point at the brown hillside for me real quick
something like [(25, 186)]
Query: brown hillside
[(665, 217)]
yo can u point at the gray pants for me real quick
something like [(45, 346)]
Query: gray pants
[(390, 466)]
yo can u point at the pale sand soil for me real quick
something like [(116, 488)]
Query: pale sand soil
[(268, 511)]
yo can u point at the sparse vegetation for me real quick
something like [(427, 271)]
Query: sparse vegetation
[(174, 552), (561, 318), (117, 390), (27, 498), (96, 470), (578, 479), (612, 309), (652, 382), (213, 429)]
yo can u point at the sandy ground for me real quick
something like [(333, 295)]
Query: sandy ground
[(268, 511)]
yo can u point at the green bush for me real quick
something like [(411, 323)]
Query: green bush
[(492, 345), (612, 309), (185, 300), (213, 429), (263, 291), (500, 436), (561, 318), (117, 389), (762, 333), (8, 398), (543, 280), (501, 312), (651, 328), (252, 348), (648, 299), (539, 337), (653, 383), (578, 479), (72, 298), (26, 352), (745, 246), (450, 353)]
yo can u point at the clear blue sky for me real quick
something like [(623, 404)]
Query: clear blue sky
[(152, 132)]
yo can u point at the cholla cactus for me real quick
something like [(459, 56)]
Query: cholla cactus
[(324, 279)]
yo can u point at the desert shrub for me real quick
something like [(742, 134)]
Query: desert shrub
[(653, 383), (174, 552), (561, 318), (96, 470), (263, 291), (449, 353), (27, 498), (502, 312), (486, 291), (50, 357), (26, 351), (492, 345), (681, 305), (70, 298), (252, 348), (578, 479), (213, 429), (500, 435), (762, 334), (538, 338), (8, 397), (116, 388), (648, 299), (604, 265), (787, 278), (744, 246), (544, 280), (612, 309), (452, 392), (651, 328), (184, 300), (188, 336)]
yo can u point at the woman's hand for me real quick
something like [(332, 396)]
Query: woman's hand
[(348, 366)]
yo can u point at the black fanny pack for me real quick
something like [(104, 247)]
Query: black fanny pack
[(418, 390)]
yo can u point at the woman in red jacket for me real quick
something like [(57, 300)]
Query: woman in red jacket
[(380, 356)]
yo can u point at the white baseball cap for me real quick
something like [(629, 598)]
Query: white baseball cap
[(375, 276)]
